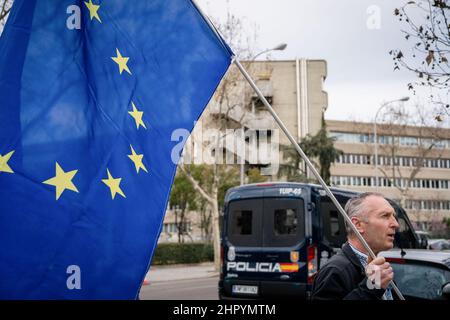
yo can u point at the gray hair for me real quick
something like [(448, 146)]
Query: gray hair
[(356, 207)]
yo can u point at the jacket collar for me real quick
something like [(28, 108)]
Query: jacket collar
[(348, 252)]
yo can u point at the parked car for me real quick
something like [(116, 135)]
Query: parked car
[(421, 274), (439, 244), (275, 236), (424, 238)]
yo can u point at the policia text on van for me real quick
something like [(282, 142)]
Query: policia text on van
[(275, 236)]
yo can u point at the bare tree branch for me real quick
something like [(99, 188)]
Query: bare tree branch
[(196, 185), (429, 30)]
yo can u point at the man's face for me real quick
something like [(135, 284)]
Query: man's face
[(379, 225)]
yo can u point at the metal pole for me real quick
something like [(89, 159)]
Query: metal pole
[(311, 167), (242, 173), (375, 141)]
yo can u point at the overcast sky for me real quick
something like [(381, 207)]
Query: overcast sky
[(353, 36)]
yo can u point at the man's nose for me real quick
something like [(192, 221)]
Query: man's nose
[(395, 223)]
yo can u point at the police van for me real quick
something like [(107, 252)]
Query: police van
[(275, 236)]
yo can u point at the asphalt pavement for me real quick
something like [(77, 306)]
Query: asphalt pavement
[(181, 282), (180, 272)]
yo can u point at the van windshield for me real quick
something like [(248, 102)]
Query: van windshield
[(266, 222)]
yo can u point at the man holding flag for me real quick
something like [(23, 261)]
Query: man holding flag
[(350, 275), (90, 94)]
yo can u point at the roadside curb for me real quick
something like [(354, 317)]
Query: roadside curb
[(150, 282), (175, 266), (170, 273)]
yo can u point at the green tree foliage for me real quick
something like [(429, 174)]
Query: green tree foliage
[(211, 183), (228, 177), (321, 146), (183, 194), (254, 176), (171, 253), (183, 198), (290, 167), (446, 221)]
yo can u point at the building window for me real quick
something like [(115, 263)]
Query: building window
[(170, 227), (383, 139), (389, 182), (407, 161), (446, 205)]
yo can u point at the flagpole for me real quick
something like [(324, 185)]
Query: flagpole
[(310, 166), (297, 147)]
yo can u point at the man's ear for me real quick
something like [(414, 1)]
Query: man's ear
[(358, 224)]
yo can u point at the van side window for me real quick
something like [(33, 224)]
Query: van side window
[(285, 221), (334, 223), (242, 224)]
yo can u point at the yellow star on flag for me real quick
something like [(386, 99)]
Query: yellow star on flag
[(122, 62), (93, 10), (114, 185), (62, 181), (137, 159), (137, 115), (4, 167)]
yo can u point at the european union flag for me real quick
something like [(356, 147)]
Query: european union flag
[(90, 93)]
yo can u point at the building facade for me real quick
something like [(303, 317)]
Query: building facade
[(295, 90), (412, 166)]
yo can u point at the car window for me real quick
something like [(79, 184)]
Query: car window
[(420, 281)]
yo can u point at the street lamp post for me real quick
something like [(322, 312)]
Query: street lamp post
[(375, 138), (279, 47)]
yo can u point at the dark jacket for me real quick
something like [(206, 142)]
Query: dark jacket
[(343, 278)]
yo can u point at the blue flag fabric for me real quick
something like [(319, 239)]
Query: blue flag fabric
[(90, 94)]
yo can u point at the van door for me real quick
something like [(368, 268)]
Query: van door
[(332, 229), (243, 237), (334, 232), (284, 244)]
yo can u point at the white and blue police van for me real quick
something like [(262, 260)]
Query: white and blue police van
[(275, 236)]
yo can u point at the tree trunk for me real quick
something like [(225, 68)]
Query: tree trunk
[(216, 230), (212, 200), (182, 226)]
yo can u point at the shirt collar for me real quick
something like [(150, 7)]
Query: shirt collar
[(362, 257)]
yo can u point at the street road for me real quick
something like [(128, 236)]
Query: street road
[(192, 289)]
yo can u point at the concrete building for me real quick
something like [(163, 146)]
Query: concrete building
[(295, 90), (192, 231), (412, 167), (407, 170)]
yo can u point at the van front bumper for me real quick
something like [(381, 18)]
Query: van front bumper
[(266, 289)]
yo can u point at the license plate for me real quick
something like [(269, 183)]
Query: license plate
[(245, 289)]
